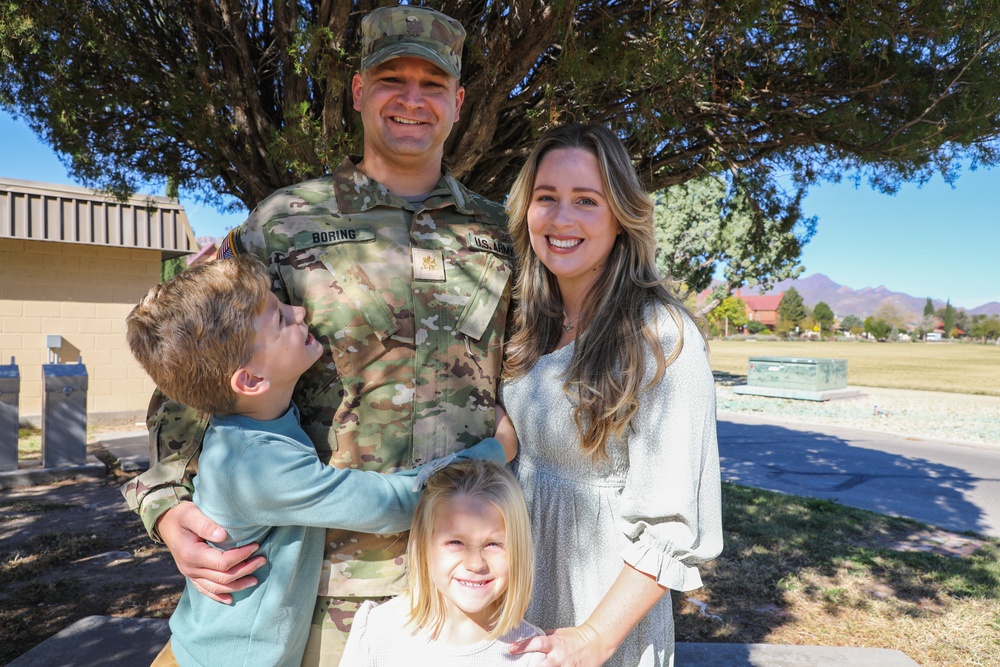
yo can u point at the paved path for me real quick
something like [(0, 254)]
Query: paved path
[(949, 485), (98, 641)]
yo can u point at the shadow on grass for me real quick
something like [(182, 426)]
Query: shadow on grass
[(776, 543), (728, 379), (783, 545)]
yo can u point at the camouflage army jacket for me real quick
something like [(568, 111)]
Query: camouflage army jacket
[(410, 304)]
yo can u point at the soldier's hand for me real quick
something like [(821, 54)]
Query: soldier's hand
[(214, 573)]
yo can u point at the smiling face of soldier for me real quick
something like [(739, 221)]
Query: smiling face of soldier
[(408, 107)]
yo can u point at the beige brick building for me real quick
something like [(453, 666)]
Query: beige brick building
[(72, 264)]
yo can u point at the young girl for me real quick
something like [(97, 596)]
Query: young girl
[(470, 577)]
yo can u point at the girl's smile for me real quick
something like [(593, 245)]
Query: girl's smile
[(468, 561)]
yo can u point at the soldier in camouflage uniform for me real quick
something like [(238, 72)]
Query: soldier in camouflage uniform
[(405, 277)]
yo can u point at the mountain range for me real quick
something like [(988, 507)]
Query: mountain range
[(844, 300)]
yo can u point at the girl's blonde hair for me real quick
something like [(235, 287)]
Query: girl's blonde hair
[(605, 375), (486, 482)]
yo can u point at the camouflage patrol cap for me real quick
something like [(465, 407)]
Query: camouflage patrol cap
[(421, 32)]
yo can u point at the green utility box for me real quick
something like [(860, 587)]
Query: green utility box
[(797, 373)]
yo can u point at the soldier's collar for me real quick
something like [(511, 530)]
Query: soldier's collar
[(356, 191)]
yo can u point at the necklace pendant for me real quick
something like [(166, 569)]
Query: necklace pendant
[(567, 327)]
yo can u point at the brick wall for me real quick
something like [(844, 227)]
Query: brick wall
[(83, 293)]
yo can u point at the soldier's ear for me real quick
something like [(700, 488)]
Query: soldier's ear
[(245, 383), (357, 90)]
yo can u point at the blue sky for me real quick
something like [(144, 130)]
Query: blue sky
[(936, 240)]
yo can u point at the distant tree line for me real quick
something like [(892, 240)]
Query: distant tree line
[(795, 318)]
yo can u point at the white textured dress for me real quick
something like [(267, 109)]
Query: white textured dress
[(654, 504)]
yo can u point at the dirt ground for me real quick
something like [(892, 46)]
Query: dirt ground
[(70, 550)]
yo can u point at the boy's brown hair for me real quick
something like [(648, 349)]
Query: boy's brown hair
[(191, 333)]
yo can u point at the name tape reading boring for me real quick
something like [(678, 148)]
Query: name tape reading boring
[(332, 236)]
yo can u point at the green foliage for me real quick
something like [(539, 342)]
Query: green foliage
[(242, 98), (171, 267), (791, 310), (705, 224), (729, 315), (756, 327), (852, 323), (823, 316), (878, 329), (928, 307), (949, 319), (986, 328)]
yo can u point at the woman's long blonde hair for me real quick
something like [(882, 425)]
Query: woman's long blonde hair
[(605, 375)]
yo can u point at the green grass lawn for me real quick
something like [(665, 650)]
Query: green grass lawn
[(955, 367)]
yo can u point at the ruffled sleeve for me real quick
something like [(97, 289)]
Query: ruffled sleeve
[(671, 506)]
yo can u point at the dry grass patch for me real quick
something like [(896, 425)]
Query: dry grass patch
[(846, 610), (805, 571), (956, 367)]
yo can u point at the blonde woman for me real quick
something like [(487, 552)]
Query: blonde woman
[(609, 389)]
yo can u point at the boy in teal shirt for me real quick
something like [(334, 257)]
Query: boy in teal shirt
[(215, 338)]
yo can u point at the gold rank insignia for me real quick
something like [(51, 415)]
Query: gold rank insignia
[(427, 264)]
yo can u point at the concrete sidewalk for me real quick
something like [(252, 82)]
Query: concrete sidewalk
[(950, 485), (97, 641)]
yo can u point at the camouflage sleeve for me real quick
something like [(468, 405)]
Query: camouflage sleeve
[(249, 239), (175, 436)]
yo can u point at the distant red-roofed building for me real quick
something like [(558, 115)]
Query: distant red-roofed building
[(940, 332), (763, 309)]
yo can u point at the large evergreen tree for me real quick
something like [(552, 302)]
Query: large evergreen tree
[(240, 97), (823, 316), (243, 96), (791, 310), (948, 319), (928, 307)]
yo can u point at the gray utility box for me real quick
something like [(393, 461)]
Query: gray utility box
[(64, 415), (797, 373), (10, 390)]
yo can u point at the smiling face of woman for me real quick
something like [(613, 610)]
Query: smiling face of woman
[(570, 222)]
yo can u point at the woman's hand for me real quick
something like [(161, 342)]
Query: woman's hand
[(215, 574), (579, 646), (630, 598)]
